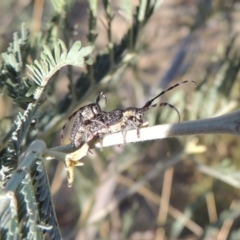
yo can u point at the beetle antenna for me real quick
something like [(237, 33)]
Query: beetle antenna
[(164, 104), (169, 89)]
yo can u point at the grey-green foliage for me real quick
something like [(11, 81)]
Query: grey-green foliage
[(27, 210), (13, 67), (59, 5), (9, 216), (50, 63), (31, 192), (41, 72), (9, 160), (109, 65)]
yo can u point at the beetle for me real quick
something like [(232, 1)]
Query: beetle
[(82, 117), (118, 119)]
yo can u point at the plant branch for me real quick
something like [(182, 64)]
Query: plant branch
[(225, 124)]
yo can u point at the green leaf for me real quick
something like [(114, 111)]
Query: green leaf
[(49, 55), (12, 60), (77, 63), (89, 61), (38, 65), (62, 44), (24, 32), (93, 7), (57, 52), (31, 91), (44, 57), (5, 57), (38, 72), (85, 51), (142, 10), (74, 50), (63, 49), (30, 68), (44, 68), (23, 99)]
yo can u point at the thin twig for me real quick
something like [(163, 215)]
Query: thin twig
[(225, 124)]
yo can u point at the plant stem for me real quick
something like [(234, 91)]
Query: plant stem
[(225, 124)]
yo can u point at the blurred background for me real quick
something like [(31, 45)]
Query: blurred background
[(179, 188)]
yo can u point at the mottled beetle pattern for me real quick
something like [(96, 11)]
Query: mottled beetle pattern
[(117, 120), (83, 116)]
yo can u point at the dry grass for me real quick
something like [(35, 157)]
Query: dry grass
[(155, 190)]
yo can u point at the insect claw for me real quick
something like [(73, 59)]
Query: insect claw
[(90, 151)]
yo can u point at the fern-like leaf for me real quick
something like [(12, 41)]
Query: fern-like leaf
[(52, 61), (13, 67), (29, 211), (9, 217), (21, 126)]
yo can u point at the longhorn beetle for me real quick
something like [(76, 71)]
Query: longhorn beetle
[(118, 119), (82, 117)]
